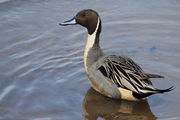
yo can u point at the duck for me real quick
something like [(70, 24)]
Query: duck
[(115, 76)]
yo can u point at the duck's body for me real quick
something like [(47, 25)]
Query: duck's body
[(112, 75)]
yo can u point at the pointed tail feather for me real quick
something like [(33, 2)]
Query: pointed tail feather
[(165, 90), (151, 92)]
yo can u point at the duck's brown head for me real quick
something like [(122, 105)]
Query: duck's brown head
[(87, 18)]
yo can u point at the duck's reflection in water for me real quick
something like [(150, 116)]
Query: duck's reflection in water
[(96, 106)]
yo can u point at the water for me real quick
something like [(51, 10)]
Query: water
[(42, 75)]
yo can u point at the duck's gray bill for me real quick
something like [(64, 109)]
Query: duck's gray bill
[(69, 22)]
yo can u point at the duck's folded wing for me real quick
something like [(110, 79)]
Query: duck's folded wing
[(125, 73)]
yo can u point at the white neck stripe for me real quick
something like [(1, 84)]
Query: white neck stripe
[(89, 44), (92, 37)]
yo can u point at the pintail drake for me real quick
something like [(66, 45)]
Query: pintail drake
[(114, 76)]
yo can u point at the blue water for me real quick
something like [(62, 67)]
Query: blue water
[(42, 75)]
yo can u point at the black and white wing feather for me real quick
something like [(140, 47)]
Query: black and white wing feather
[(126, 74)]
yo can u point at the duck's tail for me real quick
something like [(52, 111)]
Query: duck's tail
[(164, 90), (151, 92)]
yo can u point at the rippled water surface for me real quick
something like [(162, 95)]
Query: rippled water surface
[(41, 64)]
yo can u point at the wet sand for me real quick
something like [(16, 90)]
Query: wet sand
[(42, 73)]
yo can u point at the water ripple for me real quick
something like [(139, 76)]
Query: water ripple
[(7, 90)]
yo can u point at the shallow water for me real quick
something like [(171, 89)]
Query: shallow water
[(42, 75)]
